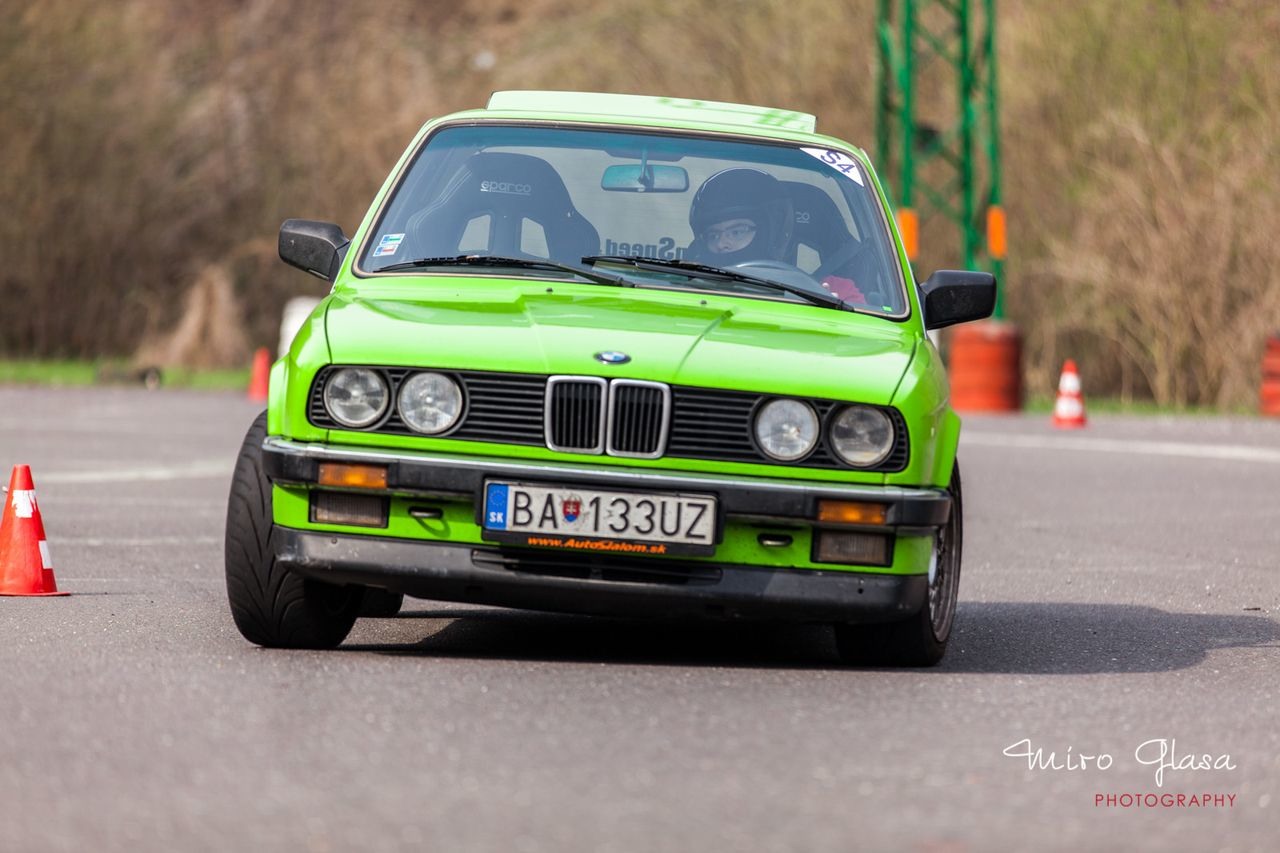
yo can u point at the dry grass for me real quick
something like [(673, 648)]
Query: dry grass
[(1141, 185), (150, 142)]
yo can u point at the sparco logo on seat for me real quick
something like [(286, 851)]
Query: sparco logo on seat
[(505, 187)]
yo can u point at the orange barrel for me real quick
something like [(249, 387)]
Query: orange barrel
[(1270, 394), (985, 367)]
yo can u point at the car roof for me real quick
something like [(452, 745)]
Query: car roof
[(655, 108), (650, 111)]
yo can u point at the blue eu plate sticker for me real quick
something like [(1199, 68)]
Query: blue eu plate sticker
[(388, 245), (495, 506)]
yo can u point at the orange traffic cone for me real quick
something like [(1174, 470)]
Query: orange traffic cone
[(259, 379), (25, 567), (1068, 409)]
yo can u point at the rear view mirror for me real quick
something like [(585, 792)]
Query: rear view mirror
[(957, 296), (315, 247), (645, 179)]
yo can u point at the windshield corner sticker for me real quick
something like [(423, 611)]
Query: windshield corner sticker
[(839, 161), (388, 245)]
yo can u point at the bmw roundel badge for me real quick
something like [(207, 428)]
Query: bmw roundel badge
[(612, 357)]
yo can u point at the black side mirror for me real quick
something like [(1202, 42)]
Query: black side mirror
[(314, 247), (957, 296)]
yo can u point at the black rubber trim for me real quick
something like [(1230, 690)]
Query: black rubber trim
[(442, 477), (573, 583)]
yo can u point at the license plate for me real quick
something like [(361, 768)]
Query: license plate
[(607, 522)]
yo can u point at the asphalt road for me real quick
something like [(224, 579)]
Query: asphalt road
[(1119, 589)]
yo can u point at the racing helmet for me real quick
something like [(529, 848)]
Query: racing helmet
[(741, 193)]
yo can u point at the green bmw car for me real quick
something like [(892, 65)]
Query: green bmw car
[(612, 354)]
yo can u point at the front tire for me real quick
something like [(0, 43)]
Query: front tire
[(920, 640), (272, 606)]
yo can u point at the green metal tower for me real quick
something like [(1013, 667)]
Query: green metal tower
[(940, 151)]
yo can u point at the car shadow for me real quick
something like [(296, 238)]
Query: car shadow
[(525, 635), (991, 637), (1053, 638)]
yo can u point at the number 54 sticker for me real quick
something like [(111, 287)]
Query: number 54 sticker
[(839, 161)]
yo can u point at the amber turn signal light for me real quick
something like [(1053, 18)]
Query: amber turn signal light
[(353, 476), (852, 512)]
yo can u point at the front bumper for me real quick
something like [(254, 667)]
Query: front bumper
[(909, 510), (450, 560), (576, 584)]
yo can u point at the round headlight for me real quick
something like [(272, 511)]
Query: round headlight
[(862, 436), (356, 396), (430, 402), (786, 429)]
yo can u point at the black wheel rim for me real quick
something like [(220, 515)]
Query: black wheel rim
[(942, 587)]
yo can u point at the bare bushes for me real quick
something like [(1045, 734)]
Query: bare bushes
[(210, 331), (1142, 138), (145, 141), (806, 55), (1166, 276), (78, 252)]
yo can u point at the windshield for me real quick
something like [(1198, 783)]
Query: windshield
[(804, 218)]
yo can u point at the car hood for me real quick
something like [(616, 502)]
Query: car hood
[(677, 337)]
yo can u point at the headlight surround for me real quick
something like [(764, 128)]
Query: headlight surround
[(861, 435), (430, 403), (786, 430), (356, 397)]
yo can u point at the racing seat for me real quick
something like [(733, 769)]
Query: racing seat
[(511, 191), (819, 224), (820, 227)]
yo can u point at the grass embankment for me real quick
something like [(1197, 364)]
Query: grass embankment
[(1041, 405), (81, 373)]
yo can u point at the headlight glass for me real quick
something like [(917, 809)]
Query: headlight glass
[(862, 435), (356, 396), (430, 402), (786, 429)]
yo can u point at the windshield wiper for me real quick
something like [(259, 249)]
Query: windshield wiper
[(500, 261), (696, 270)]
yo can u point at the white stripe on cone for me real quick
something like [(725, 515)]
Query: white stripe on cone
[(24, 503), (46, 562), (1068, 408)]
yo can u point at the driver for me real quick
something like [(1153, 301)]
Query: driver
[(740, 215)]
